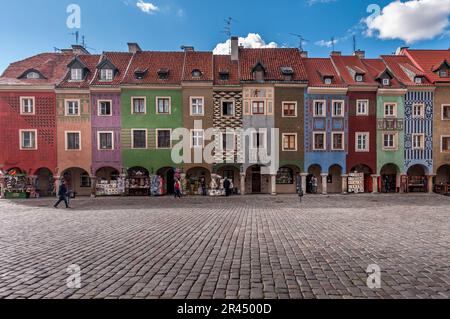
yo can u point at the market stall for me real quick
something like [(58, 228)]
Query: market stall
[(138, 182), (18, 186)]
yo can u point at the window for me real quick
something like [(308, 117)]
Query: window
[(337, 141), (105, 141), (73, 141), (27, 105), (197, 106), (196, 73), (445, 112), (33, 75), (443, 73), (163, 139), (389, 141), (228, 141), (319, 141), (289, 109), (390, 110), (319, 108), (418, 80), (163, 105), (197, 138), (258, 108), (85, 180), (362, 107), (338, 108), (72, 108), (139, 139), (386, 82), (362, 142), (289, 142), (285, 176), (446, 144), (76, 74), (418, 141), (418, 111), (224, 76), (259, 140), (258, 76), (104, 108), (28, 140), (106, 74), (228, 108), (139, 105), (328, 81), (359, 78)]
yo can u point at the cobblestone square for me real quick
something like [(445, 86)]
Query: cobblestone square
[(238, 247)]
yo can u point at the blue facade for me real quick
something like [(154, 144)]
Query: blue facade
[(329, 124), (419, 126)]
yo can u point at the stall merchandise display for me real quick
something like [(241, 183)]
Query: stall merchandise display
[(356, 183)]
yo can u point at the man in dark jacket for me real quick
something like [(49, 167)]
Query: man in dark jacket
[(62, 194), (227, 186)]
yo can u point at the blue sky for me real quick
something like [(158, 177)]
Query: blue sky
[(109, 24)]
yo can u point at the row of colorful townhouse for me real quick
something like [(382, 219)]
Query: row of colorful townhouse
[(345, 124)]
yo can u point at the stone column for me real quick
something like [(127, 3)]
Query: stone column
[(273, 183), (344, 184), (430, 184), (242, 184), (375, 184), (304, 186), (324, 184), (93, 186), (402, 189)]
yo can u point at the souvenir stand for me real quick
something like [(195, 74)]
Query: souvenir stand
[(356, 183), (18, 185), (138, 183), (113, 187)]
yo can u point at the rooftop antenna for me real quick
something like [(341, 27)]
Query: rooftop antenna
[(77, 36), (333, 42), (354, 43), (84, 45), (57, 49), (228, 26), (301, 39)]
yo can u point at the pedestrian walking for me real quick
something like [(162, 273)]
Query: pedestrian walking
[(177, 187), (203, 186), (227, 187), (62, 195), (314, 185)]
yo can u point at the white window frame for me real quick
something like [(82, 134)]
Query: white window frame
[(366, 113), (343, 141), (22, 148), (296, 142), (259, 101), (442, 143), (157, 104), (112, 140), (156, 138), (328, 81), (289, 102), (442, 112), (192, 138), (324, 109), (109, 75), (367, 135), (422, 141), (33, 75), (191, 105), (324, 141), (342, 109), (222, 140), (66, 107), (22, 105), (422, 111), (386, 82), (99, 108), (359, 78), (394, 141), (66, 133), (139, 98), (394, 110), (418, 80), (234, 107), (253, 139), (76, 71), (132, 138)]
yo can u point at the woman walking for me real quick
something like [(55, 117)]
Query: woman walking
[(177, 187)]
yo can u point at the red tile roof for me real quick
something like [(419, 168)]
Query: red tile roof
[(223, 63), (202, 61), (121, 61), (90, 61), (400, 65), (152, 62), (316, 69), (51, 65), (376, 67), (273, 60), (346, 63), (429, 60)]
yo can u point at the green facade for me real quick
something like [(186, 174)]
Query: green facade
[(151, 158), (397, 156)]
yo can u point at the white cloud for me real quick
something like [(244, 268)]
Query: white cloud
[(147, 7), (313, 2), (252, 41), (325, 43), (410, 21)]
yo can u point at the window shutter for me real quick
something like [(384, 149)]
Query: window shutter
[(247, 108)]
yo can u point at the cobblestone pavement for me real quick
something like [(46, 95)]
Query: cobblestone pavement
[(240, 247)]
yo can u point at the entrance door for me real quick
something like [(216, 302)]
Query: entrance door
[(170, 180), (256, 180)]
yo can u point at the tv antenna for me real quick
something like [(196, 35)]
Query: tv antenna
[(333, 42), (228, 26), (84, 45), (301, 40), (354, 43), (77, 36)]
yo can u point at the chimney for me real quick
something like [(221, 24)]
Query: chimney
[(336, 53), (79, 49), (234, 48), (360, 54), (304, 54), (187, 48), (134, 47)]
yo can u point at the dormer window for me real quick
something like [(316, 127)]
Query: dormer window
[(386, 82), (259, 72), (196, 73), (76, 74), (106, 74), (33, 75), (359, 78), (287, 72), (163, 74), (328, 80), (139, 74), (443, 73), (224, 75), (418, 80)]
